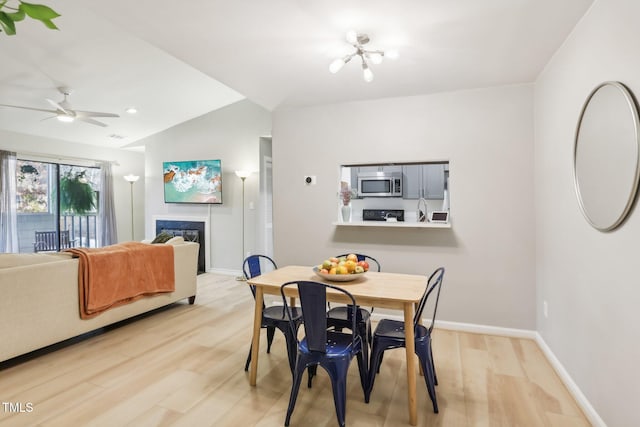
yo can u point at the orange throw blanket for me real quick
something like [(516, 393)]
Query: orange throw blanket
[(119, 274)]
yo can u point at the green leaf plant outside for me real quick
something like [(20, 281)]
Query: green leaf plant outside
[(10, 14)]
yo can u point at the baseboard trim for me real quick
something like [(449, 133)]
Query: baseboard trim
[(575, 391), (582, 401), (470, 327)]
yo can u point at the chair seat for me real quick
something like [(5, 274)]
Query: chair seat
[(394, 329), (342, 313), (338, 345), (277, 313)]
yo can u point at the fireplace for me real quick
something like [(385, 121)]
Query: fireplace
[(191, 231)]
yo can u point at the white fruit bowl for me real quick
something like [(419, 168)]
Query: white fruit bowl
[(338, 277)]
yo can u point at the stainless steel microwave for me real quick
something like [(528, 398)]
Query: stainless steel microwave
[(380, 184)]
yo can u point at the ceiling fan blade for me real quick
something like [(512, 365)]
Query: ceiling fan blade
[(48, 118), (29, 108), (91, 121), (81, 113), (57, 105)]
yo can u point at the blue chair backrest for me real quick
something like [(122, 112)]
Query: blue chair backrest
[(313, 300), (253, 266), (433, 284), (362, 257)]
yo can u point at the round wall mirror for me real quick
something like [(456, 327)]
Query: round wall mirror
[(606, 156)]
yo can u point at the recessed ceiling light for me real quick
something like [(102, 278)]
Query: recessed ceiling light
[(131, 110)]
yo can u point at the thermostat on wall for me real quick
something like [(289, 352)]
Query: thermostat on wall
[(441, 217)]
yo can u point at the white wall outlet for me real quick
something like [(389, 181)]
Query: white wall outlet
[(310, 180), (545, 309)]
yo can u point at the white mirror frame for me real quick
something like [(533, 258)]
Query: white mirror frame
[(606, 156)]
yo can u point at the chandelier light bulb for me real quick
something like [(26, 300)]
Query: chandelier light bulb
[(367, 73), (336, 65)]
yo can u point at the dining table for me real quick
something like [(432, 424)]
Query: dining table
[(372, 289)]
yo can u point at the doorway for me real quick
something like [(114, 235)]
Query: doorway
[(265, 222)]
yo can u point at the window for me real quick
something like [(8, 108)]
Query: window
[(55, 197)]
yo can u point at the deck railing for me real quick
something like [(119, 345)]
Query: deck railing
[(83, 229)]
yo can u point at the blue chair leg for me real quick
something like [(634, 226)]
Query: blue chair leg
[(271, 330), (381, 356), (295, 387), (374, 368), (291, 346), (337, 369), (423, 352), (246, 365), (364, 372), (433, 366)]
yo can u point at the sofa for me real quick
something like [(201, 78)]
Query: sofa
[(39, 303)]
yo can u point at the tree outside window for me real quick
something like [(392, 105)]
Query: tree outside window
[(33, 187)]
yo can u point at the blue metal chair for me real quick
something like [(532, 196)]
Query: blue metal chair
[(338, 317), (332, 350), (272, 317), (389, 334)]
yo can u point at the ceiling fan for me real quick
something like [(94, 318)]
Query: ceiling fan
[(65, 113)]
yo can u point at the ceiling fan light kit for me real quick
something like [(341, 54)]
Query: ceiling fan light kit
[(358, 41)]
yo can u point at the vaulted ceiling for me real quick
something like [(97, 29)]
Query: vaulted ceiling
[(175, 61)]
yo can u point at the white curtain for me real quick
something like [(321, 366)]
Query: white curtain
[(107, 209), (8, 216)]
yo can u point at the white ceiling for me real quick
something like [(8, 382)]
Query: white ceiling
[(178, 60)]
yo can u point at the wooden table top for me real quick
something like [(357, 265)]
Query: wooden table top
[(385, 290)]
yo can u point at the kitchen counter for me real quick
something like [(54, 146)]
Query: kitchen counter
[(389, 224)]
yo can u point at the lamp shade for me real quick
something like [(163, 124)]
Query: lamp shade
[(131, 178), (243, 174)]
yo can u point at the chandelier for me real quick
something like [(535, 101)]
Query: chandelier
[(358, 41)]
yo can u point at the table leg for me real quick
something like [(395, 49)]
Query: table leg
[(255, 343), (419, 323), (410, 347)]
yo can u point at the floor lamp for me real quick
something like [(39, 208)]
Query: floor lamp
[(242, 175), (131, 179)]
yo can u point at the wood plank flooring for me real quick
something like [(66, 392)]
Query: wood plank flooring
[(183, 366)]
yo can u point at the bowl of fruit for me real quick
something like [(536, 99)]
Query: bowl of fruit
[(343, 269)]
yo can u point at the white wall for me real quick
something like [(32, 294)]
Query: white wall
[(589, 278), (486, 134), (231, 134), (129, 162)]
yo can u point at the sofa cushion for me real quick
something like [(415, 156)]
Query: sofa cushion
[(177, 240), (162, 238), (15, 260)]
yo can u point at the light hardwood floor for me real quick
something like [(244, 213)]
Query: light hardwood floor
[(183, 366)]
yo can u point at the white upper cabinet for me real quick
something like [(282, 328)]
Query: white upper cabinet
[(424, 180)]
